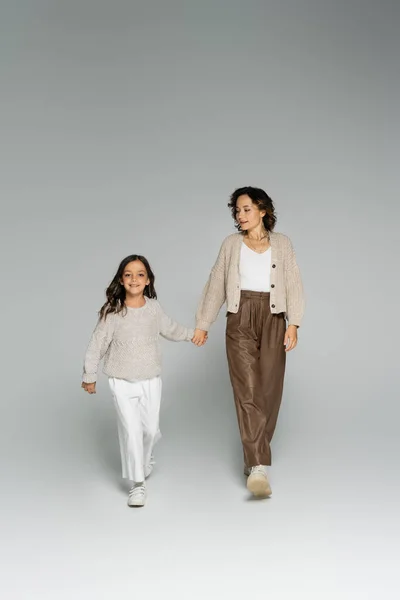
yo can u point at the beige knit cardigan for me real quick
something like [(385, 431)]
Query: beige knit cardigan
[(223, 285)]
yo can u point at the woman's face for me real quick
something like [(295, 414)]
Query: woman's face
[(248, 215)]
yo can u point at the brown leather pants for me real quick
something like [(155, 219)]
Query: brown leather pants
[(256, 358)]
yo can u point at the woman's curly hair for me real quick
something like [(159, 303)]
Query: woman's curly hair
[(260, 199), (115, 292)]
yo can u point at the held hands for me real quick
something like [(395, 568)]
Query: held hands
[(290, 340), (90, 388), (200, 337)]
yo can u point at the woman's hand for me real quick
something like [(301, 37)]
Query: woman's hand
[(200, 337), (290, 340), (90, 388)]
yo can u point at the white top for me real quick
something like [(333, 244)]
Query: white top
[(255, 270)]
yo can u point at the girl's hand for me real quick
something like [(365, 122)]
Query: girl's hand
[(90, 388), (200, 337), (290, 340)]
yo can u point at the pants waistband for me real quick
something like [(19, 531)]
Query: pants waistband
[(255, 295)]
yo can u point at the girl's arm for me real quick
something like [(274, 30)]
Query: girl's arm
[(214, 294), (173, 331), (98, 346)]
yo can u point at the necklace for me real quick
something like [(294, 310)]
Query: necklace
[(255, 249)]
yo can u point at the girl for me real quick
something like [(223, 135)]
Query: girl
[(127, 336)]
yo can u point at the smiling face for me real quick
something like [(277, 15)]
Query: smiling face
[(135, 278), (248, 215)]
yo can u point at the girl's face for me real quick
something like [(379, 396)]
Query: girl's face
[(248, 215), (135, 278)]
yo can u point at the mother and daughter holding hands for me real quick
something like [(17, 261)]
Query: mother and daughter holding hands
[(257, 276)]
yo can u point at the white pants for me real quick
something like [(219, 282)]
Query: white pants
[(138, 409)]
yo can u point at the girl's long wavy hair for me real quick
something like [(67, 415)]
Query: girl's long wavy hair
[(115, 292), (261, 199)]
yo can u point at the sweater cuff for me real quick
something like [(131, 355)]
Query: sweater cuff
[(204, 325), (294, 321), (190, 335), (89, 378)]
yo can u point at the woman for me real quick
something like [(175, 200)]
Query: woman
[(256, 274)]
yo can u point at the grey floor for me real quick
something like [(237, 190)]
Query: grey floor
[(330, 530)]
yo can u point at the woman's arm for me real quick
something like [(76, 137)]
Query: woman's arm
[(294, 288), (214, 294)]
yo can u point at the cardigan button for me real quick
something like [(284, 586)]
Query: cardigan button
[(272, 285), (273, 266), (272, 305)]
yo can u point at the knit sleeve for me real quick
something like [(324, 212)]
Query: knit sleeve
[(214, 293), (294, 288), (98, 346), (171, 330)]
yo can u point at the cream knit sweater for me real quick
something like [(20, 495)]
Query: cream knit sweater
[(223, 284), (130, 343)]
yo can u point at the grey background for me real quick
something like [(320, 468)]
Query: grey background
[(124, 128)]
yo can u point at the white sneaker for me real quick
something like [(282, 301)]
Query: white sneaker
[(257, 482), (137, 495), (148, 468)]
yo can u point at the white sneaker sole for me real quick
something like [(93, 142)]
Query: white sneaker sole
[(137, 504), (258, 485)]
